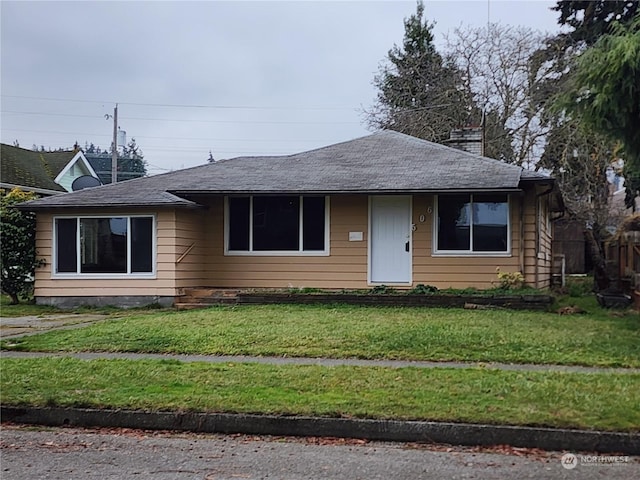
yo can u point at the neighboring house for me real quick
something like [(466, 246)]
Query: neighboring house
[(45, 173), (382, 209)]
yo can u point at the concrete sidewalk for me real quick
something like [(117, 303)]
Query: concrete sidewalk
[(15, 328), (325, 362)]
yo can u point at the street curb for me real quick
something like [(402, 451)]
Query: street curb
[(384, 430)]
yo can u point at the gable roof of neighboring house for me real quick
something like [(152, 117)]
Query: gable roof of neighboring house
[(384, 162), (40, 172), (78, 158), (30, 169)]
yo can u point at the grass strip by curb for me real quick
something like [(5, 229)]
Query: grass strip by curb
[(561, 400)]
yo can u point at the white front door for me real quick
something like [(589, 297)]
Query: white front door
[(390, 239)]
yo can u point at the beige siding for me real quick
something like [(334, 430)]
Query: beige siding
[(462, 271), (538, 235), (345, 267), (530, 248), (191, 246), (190, 253), (545, 256), (163, 285)]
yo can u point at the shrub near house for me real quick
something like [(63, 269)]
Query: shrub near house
[(18, 247)]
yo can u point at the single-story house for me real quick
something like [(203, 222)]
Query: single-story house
[(45, 173), (386, 208)]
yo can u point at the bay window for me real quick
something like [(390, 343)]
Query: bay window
[(277, 225), (104, 245), (472, 223)]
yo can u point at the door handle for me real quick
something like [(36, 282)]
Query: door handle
[(406, 247)]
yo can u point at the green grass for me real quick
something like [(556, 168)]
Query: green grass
[(596, 401), (23, 309), (598, 338)]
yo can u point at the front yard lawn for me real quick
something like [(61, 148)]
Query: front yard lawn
[(599, 338), (476, 395)]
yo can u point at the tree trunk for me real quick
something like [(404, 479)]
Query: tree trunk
[(600, 275), (14, 299)]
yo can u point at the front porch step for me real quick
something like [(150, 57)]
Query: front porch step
[(202, 297)]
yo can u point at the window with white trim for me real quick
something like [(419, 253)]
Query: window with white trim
[(472, 223), (277, 224), (104, 245)]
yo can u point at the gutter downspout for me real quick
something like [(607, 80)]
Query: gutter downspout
[(521, 249)]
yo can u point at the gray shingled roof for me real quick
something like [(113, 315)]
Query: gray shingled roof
[(384, 162)]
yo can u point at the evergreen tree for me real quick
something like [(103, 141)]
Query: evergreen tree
[(419, 92), (590, 19), (18, 247), (131, 162), (604, 93)]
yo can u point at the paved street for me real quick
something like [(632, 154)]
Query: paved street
[(29, 453)]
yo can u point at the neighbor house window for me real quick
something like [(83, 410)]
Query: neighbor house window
[(277, 224), (472, 224), (104, 245)]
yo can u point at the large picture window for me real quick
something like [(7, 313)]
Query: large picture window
[(104, 245), (472, 224), (273, 224)]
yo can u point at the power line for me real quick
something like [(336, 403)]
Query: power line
[(92, 135), (177, 105), (55, 99), (257, 122), (204, 149)]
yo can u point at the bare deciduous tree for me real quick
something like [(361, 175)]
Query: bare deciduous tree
[(579, 159), (503, 78)]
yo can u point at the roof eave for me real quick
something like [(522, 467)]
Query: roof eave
[(182, 193), (557, 201), (119, 206), (26, 188)]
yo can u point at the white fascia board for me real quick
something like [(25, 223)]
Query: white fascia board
[(78, 157)]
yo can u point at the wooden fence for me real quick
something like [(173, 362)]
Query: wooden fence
[(623, 257)]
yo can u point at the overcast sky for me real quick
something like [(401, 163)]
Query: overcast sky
[(234, 78)]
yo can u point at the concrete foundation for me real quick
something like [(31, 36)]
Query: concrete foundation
[(120, 301)]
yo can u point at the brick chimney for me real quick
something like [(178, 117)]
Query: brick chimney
[(468, 139)]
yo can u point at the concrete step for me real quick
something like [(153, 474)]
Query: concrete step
[(202, 297)]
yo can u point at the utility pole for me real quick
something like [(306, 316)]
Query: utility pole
[(114, 152)]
